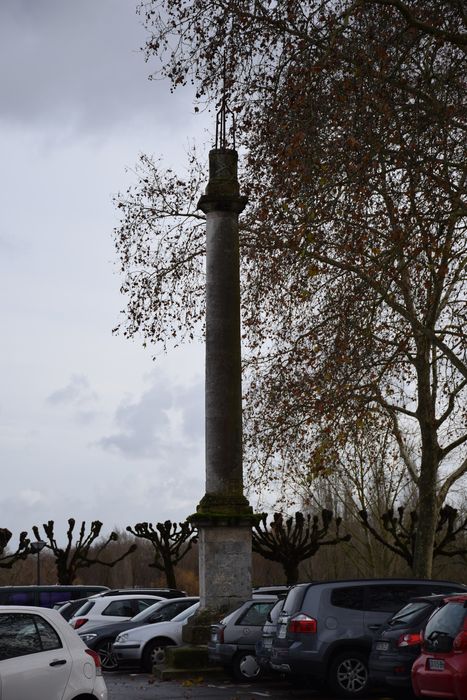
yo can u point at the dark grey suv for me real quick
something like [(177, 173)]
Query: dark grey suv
[(326, 628)]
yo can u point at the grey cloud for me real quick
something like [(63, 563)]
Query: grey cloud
[(75, 64), (76, 392), (164, 420)]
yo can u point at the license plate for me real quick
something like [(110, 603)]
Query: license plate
[(382, 646), (436, 664)]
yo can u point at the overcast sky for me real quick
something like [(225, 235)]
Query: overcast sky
[(90, 426)]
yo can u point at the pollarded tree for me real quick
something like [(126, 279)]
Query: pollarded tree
[(354, 252), (292, 540), (7, 559), (83, 552), (171, 541), (401, 528)]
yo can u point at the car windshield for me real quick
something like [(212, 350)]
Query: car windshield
[(148, 611), (410, 613), (186, 613)]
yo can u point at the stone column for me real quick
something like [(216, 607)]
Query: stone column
[(223, 516)]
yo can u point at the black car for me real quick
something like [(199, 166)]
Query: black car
[(102, 638), (398, 643)]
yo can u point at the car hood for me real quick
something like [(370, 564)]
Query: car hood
[(111, 628)]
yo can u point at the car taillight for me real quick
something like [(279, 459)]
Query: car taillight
[(220, 635), (97, 660), (79, 622), (460, 642), (302, 624), (409, 640)]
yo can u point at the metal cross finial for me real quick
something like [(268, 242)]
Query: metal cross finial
[(221, 118)]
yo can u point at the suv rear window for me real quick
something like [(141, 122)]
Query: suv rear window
[(389, 597), (84, 609), (351, 597)]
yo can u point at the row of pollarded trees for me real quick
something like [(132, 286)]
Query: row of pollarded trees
[(289, 541), (351, 116), (87, 548)]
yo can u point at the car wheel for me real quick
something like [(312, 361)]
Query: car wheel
[(154, 653), (245, 667), (348, 674), (107, 656)]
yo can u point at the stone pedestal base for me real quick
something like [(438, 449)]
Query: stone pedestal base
[(225, 565)]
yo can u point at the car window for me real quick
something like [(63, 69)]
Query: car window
[(47, 599), (389, 597), (351, 597), (49, 638), (84, 609), (21, 598), (168, 612), (154, 608), (186, 613), (119, 608), (256, 614), (144, 604), (411, 613), (22, 634)]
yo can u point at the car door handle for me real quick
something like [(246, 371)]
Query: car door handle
[(58, 662), (374, 627)]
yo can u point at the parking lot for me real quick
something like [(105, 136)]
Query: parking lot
[(143, 686)]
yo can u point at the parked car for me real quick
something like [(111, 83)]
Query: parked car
[(145, 646), (269, 631), (161, 592), (233, 639), (101, 638), (441, 668), (100, 610), (326, 628), (42, 657), (46, 596), (68, 607), (398, 643)]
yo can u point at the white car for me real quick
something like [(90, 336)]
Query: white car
[(145, 646), (103, 609), (42, 658)]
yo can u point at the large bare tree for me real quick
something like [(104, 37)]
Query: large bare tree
[(352, 117)]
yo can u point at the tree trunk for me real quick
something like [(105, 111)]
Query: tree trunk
[(291, 572), (428, 506), (169, 571)]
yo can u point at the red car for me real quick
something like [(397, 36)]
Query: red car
[(441, 669)]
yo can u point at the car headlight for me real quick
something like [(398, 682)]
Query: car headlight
[(122, 637), (88, 637)]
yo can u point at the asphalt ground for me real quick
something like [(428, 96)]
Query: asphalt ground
[(143, 686)]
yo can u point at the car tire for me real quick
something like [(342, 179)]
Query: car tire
[(154, 653), (245, 667), (348, 674), (108, 659)]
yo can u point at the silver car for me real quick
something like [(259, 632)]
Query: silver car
[(145, 645)]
